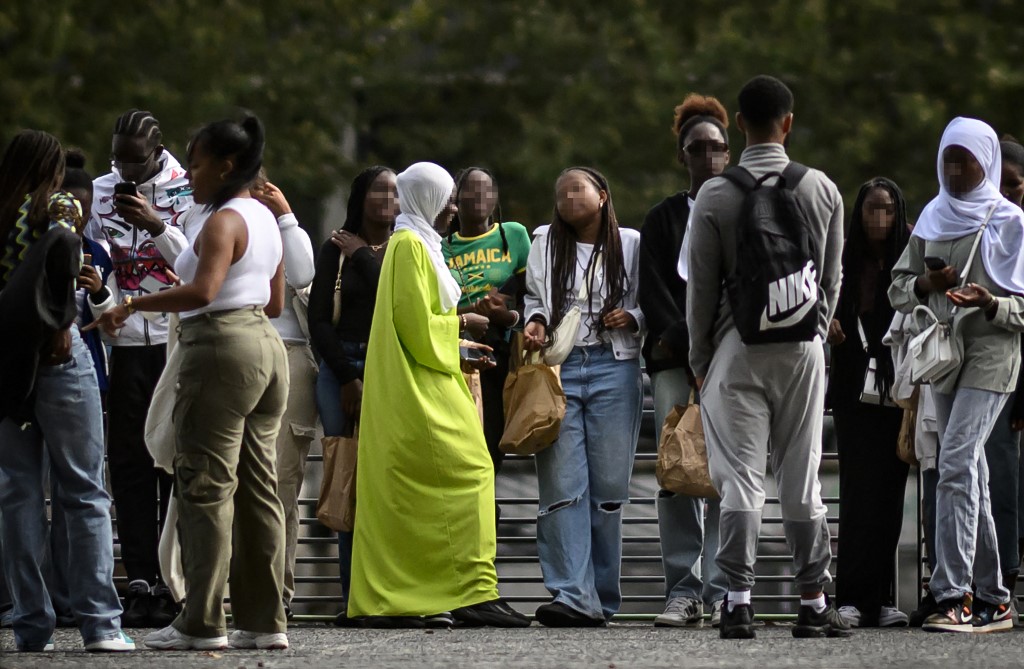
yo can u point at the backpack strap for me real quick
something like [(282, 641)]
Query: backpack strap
[(792, 175), (741, 177)]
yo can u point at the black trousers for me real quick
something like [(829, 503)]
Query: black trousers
[(872, 483), (492, 385), (141, 492)]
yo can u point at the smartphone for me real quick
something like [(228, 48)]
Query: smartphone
[(86, 258), (934, 263), (472, 354), (126, 188)]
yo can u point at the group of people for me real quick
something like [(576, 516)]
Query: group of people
[(423, 271)]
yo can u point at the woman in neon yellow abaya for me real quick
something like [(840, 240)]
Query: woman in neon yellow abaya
[(425, 541)]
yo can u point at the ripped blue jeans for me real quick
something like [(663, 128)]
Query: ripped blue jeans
[(583, 480)]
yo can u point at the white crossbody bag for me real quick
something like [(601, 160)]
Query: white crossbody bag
[(870, 394), (564, 336), (933, 351)]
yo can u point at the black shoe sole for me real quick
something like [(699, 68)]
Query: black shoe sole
[(825, 631), (394, 622), (737, 632), (548, 619)]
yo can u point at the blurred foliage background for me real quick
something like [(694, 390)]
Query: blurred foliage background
[(525, 88)]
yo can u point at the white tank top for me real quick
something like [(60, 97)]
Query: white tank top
[(247, 283)]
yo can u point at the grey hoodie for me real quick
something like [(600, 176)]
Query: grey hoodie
[(712, 257)]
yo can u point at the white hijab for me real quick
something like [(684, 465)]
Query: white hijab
[(423, 191), (947, 217)]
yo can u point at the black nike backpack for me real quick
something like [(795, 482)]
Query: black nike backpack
[(774, 290)]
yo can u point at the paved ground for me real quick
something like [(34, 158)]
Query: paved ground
[(618, 647)]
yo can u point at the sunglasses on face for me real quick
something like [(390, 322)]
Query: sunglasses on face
[(702, 147)]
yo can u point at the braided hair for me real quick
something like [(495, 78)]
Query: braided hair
[(495, 217), (854, 254), (562, 239), (33, 166), (243, 141), (357, 197), (139, 123)]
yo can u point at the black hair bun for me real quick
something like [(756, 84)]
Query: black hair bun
[(74, 159)]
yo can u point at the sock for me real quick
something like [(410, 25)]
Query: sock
[(738, 598), (818, 603)]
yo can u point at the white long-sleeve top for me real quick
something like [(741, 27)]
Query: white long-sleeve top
[(625, 344)]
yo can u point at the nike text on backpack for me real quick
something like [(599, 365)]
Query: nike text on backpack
[(774, 290)]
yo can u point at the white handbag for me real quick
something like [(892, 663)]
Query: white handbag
[(564, 336), (869, 394), (933, 351)]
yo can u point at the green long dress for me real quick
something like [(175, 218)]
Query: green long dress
[(424, 531)]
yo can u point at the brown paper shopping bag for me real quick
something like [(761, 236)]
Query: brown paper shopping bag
[(534, 408), (336, 507), (682, 456)]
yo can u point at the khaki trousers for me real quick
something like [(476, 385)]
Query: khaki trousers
[(233, 388), (298, 429)]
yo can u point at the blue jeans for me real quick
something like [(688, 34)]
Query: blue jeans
[(685, 532), (69, 426), (1002, 454), (965, 540), (583, 479), (337, 424)]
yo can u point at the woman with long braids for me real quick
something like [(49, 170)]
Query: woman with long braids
[(487, 256), (583, 477), (362, 243), (61, 418), (872, 479)]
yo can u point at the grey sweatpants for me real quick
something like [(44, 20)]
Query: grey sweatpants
[(754, 396)]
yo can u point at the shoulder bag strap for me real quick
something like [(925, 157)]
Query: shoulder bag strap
[(336, 313), (974, 250)]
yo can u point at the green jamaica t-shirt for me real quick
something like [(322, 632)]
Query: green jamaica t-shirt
[(480, 264)]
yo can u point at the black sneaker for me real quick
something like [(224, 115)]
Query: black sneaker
[(163, 610), (288, 613), (136, 605), (342, 620), (394, 622), (439, 621), (927, 607), (496, 613), (557, 614), (738, 623), (811, 624), (992, 618), (952, 615)]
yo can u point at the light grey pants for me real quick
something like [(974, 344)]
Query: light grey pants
[(965, 537), (754, 396), (689, 541)]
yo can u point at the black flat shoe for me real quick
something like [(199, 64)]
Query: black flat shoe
[(557, 614), (394, 622), (496, 613), (342, 620)]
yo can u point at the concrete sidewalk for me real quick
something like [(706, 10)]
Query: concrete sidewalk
[(618, 647)]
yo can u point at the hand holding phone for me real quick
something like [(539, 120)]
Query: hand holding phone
[(934, 263), (126, 188), (476, 355)]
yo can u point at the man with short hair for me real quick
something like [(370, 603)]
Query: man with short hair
[(140, 231), (753, 395)]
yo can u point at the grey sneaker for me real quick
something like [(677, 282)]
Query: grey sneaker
[(890, 616), (681, 612), (716, 613), (851, 614)]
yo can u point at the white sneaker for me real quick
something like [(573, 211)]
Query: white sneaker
[(122, 642), (681, 612), (272, 641), (170, 638), (851, 614), (716, 613), (890, 616)]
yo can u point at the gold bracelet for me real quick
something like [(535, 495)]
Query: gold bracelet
[(462, 322), (129, 304)]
